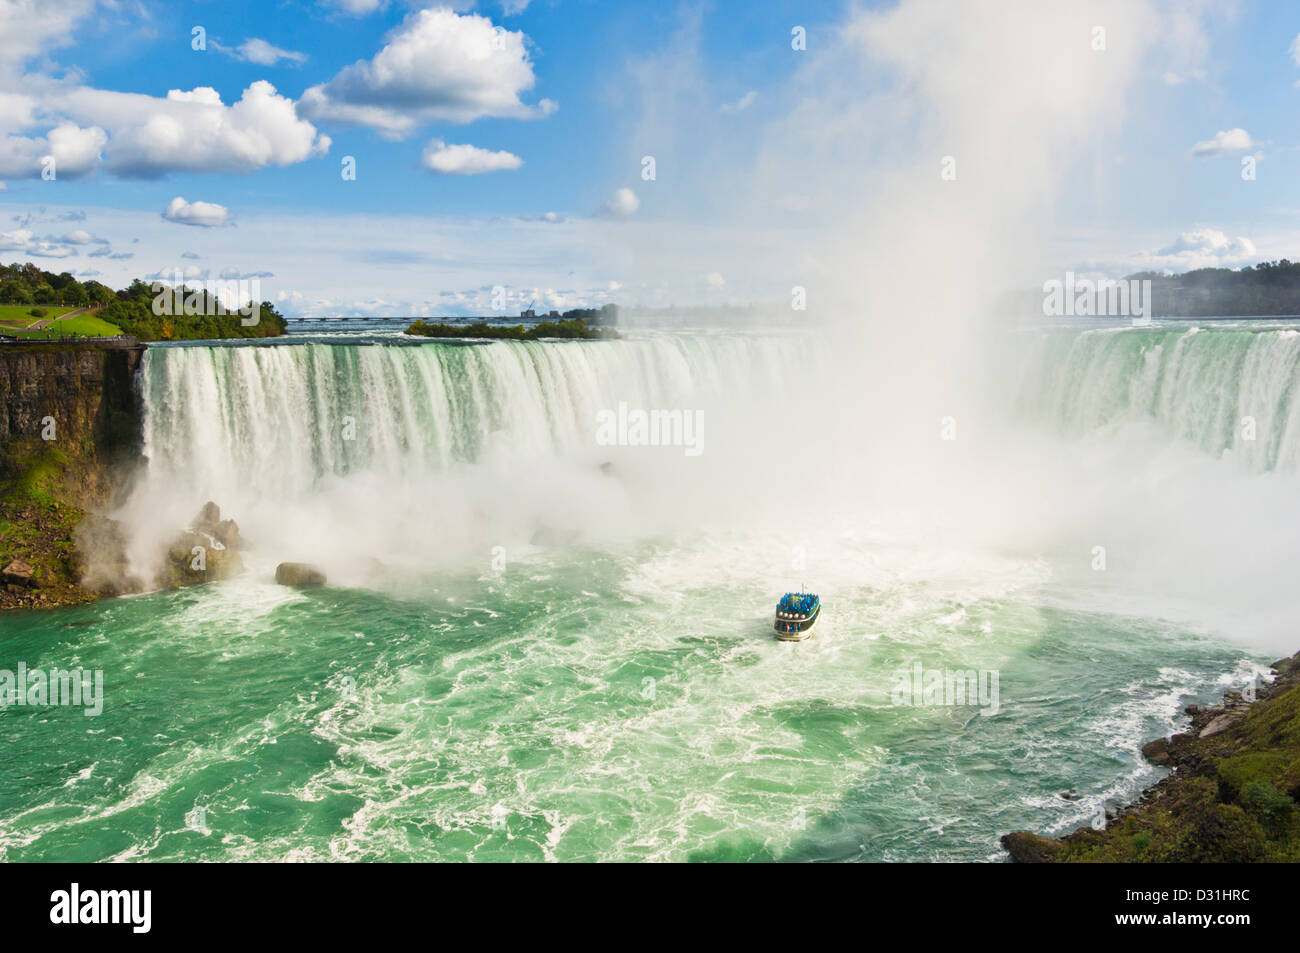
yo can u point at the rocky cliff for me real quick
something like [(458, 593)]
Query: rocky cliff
[(69, 436)]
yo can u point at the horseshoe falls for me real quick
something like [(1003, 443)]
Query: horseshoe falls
[(1229, 390), (538, 644)]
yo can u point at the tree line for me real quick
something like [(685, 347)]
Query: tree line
[(131, 308), (1269, 288)]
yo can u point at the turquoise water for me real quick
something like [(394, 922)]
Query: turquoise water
[(510, 718), (621, 696)]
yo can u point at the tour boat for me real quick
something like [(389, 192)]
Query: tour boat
[(796, 614)]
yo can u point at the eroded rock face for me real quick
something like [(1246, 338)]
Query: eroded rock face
[(69, 442), (299, 574)]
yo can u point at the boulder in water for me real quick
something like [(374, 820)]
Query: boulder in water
[(192, 559), (1027, 848), (299, 574), (206, 552)]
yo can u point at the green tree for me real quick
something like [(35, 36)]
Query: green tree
[(16, 292)]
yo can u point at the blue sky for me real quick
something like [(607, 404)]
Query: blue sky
[(521, 166)]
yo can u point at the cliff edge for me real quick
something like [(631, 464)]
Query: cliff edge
[(70, 431)]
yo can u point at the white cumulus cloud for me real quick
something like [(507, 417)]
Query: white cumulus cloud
[(465, 159), (1203, 247), (76, 151), (203, 214), (621, 204), (195, 132), (437, 66), (1233, 140), (32, 27)]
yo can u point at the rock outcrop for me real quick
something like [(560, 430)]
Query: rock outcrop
[(200, 554), (1026, 848), (19, 572), (299, 574)]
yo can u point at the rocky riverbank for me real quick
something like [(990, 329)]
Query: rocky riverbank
[(1233, 794)]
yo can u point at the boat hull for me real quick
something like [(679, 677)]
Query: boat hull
[(797, 630)]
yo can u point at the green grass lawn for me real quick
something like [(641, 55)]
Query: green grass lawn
[(83, 325), (17, 315)]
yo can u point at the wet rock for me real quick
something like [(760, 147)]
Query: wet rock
[(1027, 848), (192, 559), (1157, 752), (299, 574), (227, 534), (207, 519)]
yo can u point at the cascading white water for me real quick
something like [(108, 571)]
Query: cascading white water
[(279, 419), (417, 452), (456, 450), (1226, 390)]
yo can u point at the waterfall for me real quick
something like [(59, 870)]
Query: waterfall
[(280, 418), (1226, 390), (426, 459), (398, 450)]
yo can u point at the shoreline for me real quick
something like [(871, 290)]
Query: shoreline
[(1232, 794)]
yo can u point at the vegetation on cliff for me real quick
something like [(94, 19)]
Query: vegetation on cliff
[(196, 314), (1267, 289), (1271, 287), (1232, 796), (39, 562), (136, 318), (565, 328)]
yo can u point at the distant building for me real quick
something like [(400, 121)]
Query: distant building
[(527, 313), (554, 314)]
